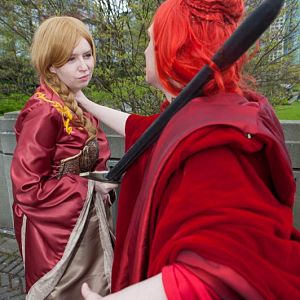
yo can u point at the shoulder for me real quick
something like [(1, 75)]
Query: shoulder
[(39, 111), (135, 126)]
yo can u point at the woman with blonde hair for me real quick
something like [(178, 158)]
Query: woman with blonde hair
[(61, 219)]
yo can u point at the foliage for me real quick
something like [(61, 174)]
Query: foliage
[(12, 102), (275, 66), (119, 29)]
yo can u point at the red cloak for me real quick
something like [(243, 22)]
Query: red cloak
[(217, 183)]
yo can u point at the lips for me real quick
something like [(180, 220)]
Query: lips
[(85, 77)]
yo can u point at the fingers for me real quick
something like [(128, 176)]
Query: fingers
[(88, 294), (105, 187), (110, 186), (85, 290)]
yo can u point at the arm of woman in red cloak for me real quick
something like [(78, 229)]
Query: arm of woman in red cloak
[(174, 283), (148, 289), (113, 118), (34, 184)]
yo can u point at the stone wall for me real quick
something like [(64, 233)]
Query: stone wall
[(7, 145)]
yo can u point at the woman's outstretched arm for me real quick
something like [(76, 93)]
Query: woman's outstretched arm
[(113, 118), (148, 289)]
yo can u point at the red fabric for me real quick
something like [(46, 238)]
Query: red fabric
[(209, 187), (179, 282), (51, 205)]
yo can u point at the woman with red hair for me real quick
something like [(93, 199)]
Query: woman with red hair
[(206, 212)]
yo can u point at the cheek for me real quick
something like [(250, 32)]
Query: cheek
[(65, 75), (91, 62), (92, 65)]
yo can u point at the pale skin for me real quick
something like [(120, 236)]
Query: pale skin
[(148, 289)]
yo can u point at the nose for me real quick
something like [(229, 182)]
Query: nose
[(82, 65)]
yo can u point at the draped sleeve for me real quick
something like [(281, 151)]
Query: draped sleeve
[(179, 283), (34, 186), (135, 127)]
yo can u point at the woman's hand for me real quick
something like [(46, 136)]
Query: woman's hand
[(114, 119), (104, 188), (149, 289), (88, 294), (81, 98)]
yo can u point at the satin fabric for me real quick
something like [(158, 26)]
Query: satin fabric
[(86, 264), (217, 183), (51, 206)]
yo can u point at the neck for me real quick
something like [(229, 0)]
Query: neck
[(169, 96)]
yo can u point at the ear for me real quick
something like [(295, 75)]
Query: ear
[(52, 70)]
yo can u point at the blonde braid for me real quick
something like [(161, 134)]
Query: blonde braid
[(69, 100)]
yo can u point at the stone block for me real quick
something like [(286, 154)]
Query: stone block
[(7, 164), (8, 142), (294, 151), (291, 129), (5, 207), (7, 125), (116, 143), (108, 130), (297, 201), (11, 115), (1, 149)]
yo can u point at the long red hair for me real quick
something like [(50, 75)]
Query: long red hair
[(187, 33)]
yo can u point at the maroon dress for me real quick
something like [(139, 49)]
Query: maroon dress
[(52, 203)]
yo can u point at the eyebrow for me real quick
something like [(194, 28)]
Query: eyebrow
[(86, 52)]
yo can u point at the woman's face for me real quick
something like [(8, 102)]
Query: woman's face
[(151, 72), (77, 72)]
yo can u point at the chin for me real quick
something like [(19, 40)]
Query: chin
[(150, 81), (82, 86)]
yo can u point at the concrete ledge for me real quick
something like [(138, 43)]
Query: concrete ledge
[(297, 201), (108, 130), (7, 163), (8, 142), (6, 210), (11, 115), (291, 130), (116, 143), (294, 151), (7, 124)]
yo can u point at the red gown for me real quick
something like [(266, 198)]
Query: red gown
[(51, 205), (213, 199)]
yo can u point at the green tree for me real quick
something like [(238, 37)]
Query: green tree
[(274, 66), (119, 28)]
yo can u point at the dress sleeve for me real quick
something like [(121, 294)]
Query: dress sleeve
[(135, 127), (33, 184), (179, 283)]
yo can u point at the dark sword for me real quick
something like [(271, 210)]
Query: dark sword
[(239, 42)]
